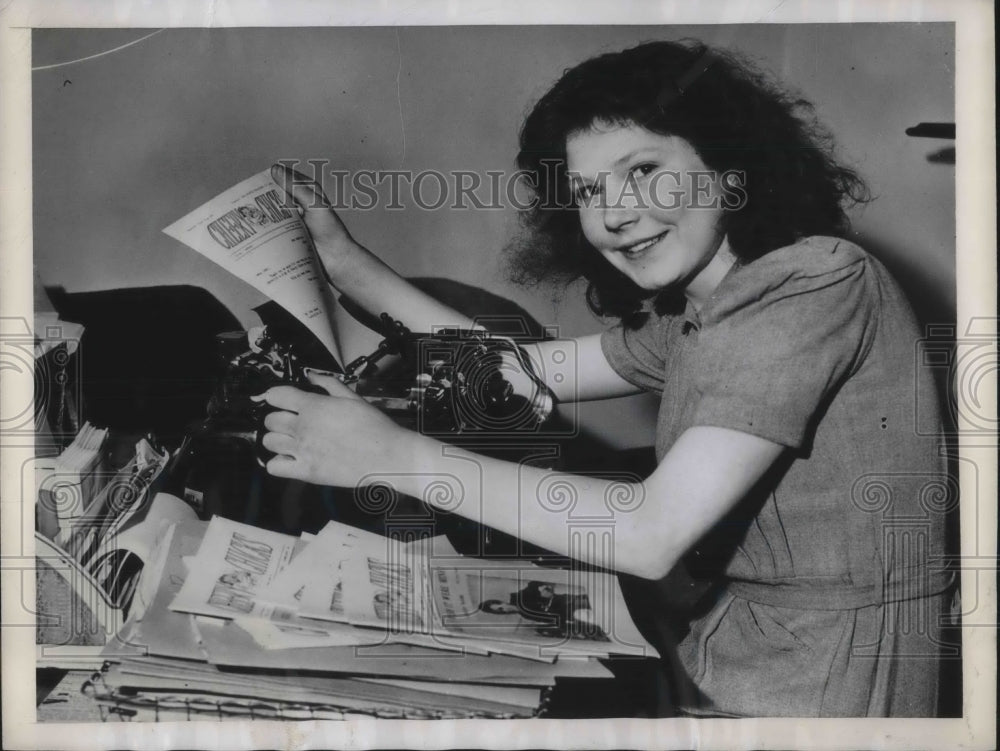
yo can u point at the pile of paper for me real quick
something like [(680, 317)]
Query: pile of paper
[(94, 539), (78, 469), (92, 567), (231, 620)]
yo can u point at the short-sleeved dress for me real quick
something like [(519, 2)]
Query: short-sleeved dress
[(833, 570)]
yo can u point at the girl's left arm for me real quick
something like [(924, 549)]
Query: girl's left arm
[(345, 442)]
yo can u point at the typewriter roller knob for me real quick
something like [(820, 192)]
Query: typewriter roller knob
[(231, 344)]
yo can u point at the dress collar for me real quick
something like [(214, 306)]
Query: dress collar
[(695, 318)]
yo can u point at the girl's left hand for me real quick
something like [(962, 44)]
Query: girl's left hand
[(331, 440)]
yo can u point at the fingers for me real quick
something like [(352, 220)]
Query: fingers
[(282, 466), (279, 443), (325, 227), (285, 397), (308, 194), (296, 401), (280, 422), (331, 385)]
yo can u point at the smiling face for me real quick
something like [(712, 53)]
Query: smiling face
[(650, 206)]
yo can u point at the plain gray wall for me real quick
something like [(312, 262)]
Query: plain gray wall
[(126, 143)]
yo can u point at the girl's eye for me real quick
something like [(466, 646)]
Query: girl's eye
[(641, 170)]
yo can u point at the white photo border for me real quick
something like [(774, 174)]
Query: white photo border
[(976, 235)]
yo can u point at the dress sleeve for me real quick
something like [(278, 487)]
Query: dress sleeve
[(638, 354), (773, 357)]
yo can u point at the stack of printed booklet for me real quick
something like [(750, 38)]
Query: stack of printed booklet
[(230, 620)]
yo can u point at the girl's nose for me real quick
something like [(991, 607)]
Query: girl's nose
[(618, 217), (621, 203)]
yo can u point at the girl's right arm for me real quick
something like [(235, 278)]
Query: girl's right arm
[(583, 372), (354, 270), (576, 370)]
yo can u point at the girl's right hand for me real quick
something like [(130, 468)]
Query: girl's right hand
[(354, 271), (333, 242)]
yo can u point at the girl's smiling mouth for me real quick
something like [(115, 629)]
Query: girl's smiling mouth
[(635, 250)]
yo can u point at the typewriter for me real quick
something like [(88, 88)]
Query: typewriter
[(453, 384)]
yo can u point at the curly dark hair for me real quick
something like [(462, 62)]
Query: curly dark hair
[(733, 116)]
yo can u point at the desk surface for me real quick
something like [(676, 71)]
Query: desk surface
[(59, 698)]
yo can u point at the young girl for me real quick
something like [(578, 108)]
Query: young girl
[(705, 209)]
